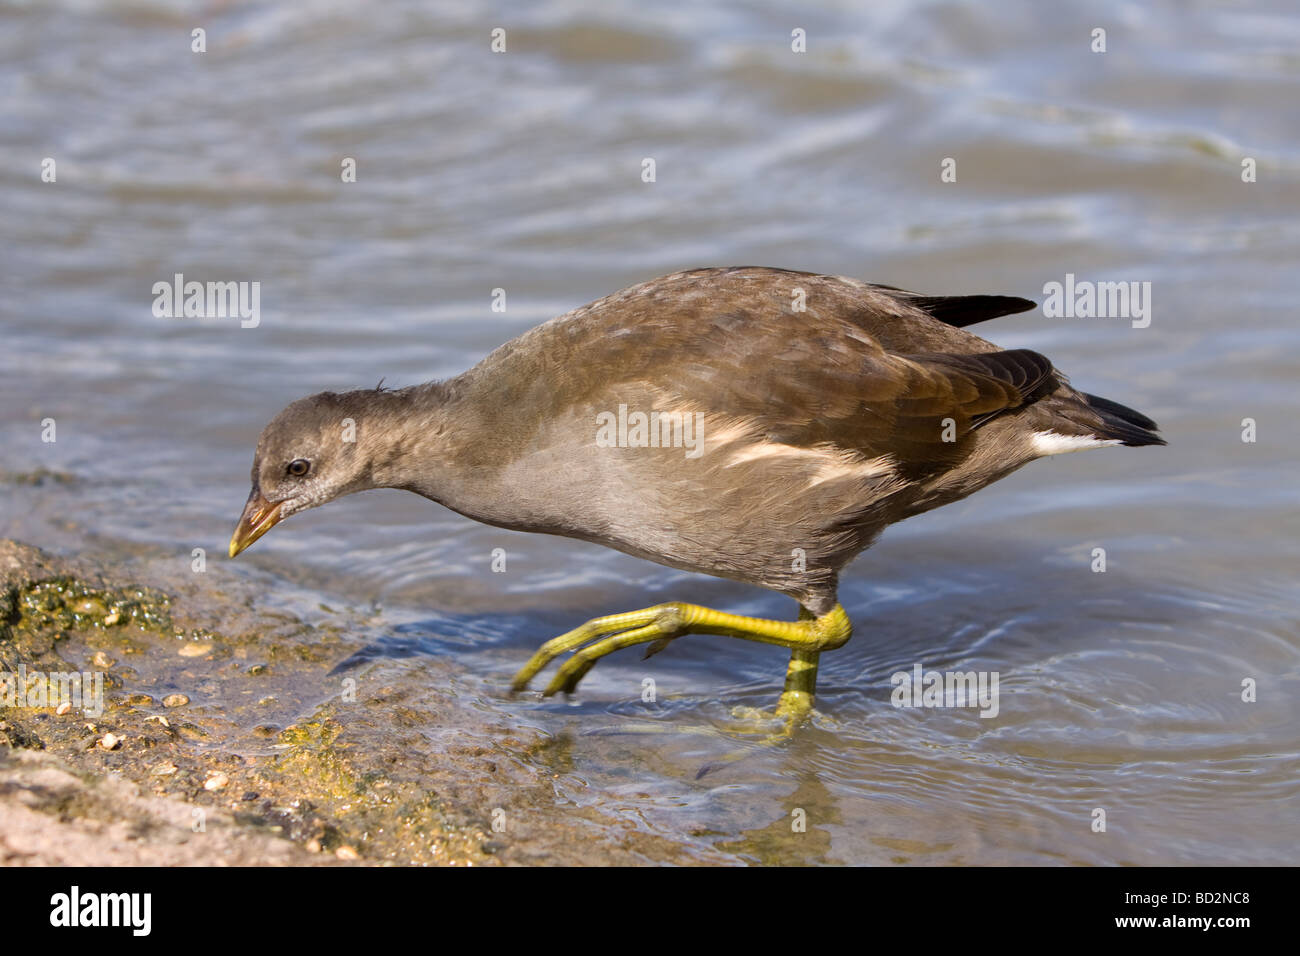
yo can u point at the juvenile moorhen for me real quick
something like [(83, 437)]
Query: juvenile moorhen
[(757, 424)]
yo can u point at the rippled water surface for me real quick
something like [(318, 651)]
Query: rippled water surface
[(1119, 690)]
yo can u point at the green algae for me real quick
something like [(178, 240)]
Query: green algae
[(314, 757), (65, 603)]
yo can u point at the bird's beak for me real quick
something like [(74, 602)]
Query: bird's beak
[(259, 517)]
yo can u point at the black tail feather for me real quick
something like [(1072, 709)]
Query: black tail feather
[(964, 310), (1120, 422)]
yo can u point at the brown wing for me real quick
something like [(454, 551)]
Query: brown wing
[(823, 388), (855, 371)]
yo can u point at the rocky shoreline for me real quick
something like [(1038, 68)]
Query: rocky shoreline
[(233, 735)]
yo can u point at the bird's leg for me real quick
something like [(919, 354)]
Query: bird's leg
[(800, 678), (800, 684), (806, 638)]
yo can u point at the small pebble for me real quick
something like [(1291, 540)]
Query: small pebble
[(216, 781), (160, 719), (63, 708), (312, 845), (347, 853), (139, 700), (102, 660), (195, 650), (175, 700), (164, 769), (110, 741), (113, 617)]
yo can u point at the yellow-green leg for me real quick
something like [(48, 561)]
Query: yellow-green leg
[(800, 685), (806, 638)]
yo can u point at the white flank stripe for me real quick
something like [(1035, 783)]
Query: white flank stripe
[(823, 462)]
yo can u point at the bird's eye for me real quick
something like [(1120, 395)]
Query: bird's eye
[(299, 467)]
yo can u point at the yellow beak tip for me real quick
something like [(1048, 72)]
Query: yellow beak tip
[(259, 517)]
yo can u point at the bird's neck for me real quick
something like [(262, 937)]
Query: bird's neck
[(435, 440)]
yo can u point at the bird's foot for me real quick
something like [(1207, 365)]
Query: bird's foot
[(657, 625)]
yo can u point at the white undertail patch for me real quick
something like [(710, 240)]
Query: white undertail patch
[(1052, 443)]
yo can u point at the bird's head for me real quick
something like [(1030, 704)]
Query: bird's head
[(312, 452)]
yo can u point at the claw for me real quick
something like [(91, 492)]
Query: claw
[(656, 647)]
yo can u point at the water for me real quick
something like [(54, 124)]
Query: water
[(479, 171)]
